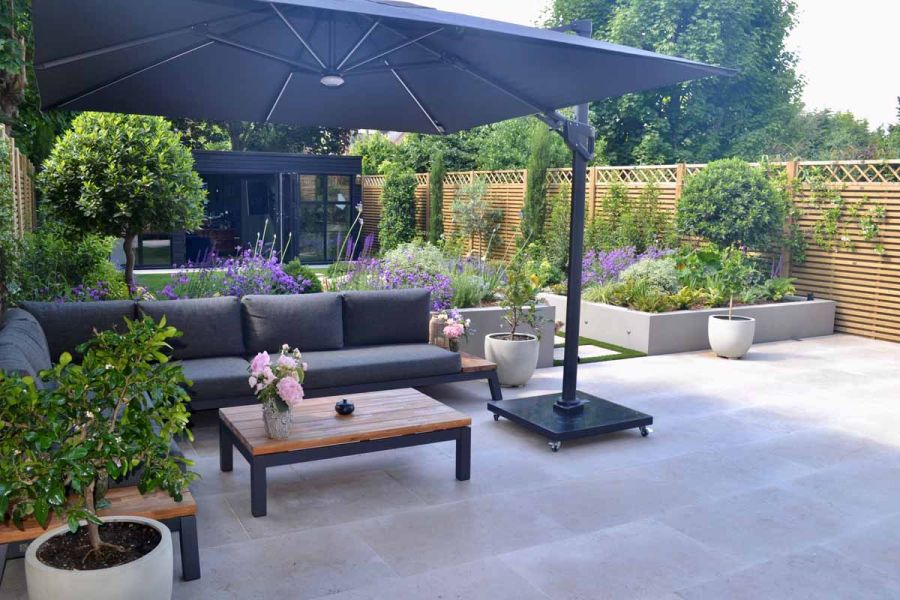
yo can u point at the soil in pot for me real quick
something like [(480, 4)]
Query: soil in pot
[(72, 551), (513, 338)]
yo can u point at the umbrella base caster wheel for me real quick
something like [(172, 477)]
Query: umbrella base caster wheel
[(645, 431), (555, 446), (496, 417)]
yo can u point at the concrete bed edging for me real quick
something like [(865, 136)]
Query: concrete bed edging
[(685, 330)]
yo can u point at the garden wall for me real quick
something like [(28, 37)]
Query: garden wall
[(844, 266)]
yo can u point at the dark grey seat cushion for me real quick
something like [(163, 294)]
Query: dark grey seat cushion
[(308, 322), (375, 364), (210, 326), (217, 378), (70, 324), (386, 317), (23, 346)]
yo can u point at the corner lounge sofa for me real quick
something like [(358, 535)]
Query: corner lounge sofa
[(353, 342)]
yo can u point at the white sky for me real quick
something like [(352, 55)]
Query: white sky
[(848, 50)]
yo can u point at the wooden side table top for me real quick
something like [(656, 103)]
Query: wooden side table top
[(378, 415), (124, 502), (475, 364)]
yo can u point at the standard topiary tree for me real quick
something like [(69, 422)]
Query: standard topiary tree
[(732, 203), (436, 197), (122, 175), (534, 212), (398, 208)]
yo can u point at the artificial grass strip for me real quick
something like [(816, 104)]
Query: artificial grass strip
[(623, 353)]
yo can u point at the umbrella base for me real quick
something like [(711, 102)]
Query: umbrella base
[(559, 422)]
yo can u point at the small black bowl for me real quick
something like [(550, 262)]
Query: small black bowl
[(344, 407)]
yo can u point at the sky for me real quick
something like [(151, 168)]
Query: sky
[(847, 51)]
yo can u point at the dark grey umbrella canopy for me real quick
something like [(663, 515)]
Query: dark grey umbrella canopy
[(403, 68)]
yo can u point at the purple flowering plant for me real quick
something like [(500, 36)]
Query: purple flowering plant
[(603, 266)]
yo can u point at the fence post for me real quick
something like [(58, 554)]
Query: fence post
[(786, 258), (427, 204), (592, 192), (680, 171)]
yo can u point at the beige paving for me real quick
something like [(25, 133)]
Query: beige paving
[(777, 476)]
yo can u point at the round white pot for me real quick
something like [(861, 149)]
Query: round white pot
[(516, 359), (731, 338), (148, 578)]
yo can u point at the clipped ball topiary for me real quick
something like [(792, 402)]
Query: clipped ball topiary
[(732, 203)]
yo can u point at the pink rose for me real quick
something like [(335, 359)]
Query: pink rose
[(252, 381), (287, 361), (290, 390), (259, 363), (454, 331)]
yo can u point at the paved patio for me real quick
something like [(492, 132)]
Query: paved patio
[(776, 476)]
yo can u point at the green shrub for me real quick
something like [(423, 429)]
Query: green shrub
[(556, 232), (659, 273), (52, 263), (8, 246), (534, 211), (121, 175), (474, 217), (625, 223), (731, 203), (474, 282), (301, 273), (436, 198), (398, 212), (417, 256)]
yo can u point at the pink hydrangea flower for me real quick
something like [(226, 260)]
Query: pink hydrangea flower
[(259, 364), (268, 375), (287, 361), (290, 390), (454, 331)]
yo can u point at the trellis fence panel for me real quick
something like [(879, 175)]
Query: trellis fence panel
[(860, 271), (22, 182)]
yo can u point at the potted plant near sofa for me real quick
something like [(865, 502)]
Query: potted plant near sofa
[(111, 417), (730, 336), (516, 353)]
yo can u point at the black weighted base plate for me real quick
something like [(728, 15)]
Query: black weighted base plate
[(597, 417)]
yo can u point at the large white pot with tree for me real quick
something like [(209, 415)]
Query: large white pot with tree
[(514, 352), (110, 417), (731, 336), (122, 175)]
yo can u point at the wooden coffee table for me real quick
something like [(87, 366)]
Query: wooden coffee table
[(382, 421)]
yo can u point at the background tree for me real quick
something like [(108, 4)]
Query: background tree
[(705, 119), (122, 175), (376, 150), (436, 198), (534, 211), (507, 145), (270, 137), (398, 208)]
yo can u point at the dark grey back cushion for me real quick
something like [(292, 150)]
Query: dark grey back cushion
[(23, 346), (211, 327), (68, 324), (386, 317), (307, 321)]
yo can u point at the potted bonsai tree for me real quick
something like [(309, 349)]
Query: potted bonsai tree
[(731, 336), (514, 352), (112, 416)]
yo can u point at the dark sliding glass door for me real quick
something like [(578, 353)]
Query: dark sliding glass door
[(319, 214)]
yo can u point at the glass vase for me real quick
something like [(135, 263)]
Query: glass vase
[(453, 344), (278, 422)]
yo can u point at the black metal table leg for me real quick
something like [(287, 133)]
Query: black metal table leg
[(494, 383), (464, 454), (226, 448), (257, 489), (190, 549)]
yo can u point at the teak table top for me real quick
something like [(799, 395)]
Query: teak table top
[(378, 415), (124, 502)]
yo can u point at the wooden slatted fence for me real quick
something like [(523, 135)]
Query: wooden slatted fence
[(862, 275), (21, 174)]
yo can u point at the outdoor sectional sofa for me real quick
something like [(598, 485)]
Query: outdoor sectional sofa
[(353, 342)]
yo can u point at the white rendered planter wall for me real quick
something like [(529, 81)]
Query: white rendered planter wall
[(687, 330), (490, 320)]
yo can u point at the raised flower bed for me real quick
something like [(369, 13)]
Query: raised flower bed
[(686, 330)]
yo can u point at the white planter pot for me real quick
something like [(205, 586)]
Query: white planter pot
[(516, 359), (148, 578), (731, 338)]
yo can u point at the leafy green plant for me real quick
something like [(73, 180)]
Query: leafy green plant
[(732, 277), (623, 222), (302, 273), (520, 299), (687, 298), (659, 273), (695, 265), (474, 217), (398, 214), (474, 282), (731, 203), (778, 288), (436, 197), (534, 211), (121, 175), (116, 412), (556, 231), (417, 256)]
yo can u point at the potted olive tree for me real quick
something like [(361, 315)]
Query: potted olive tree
[(730, 336), (112, 416), (514, 352)]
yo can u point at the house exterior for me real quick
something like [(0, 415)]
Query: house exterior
[(302, 205)]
